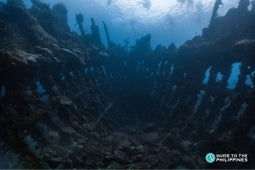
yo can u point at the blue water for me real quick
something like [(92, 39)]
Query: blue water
[(71, 74), (207, 75), (234, 76), (40, 88), (249, 82), (166, 20), (42, 92), (219, 77)]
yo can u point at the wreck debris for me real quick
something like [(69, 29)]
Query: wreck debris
[(243, 5), (21, 56), (65, 100), (215, 10), (95, 33), (241, 111), (57, 91), (199, 100), (61, 11), (15, 3), (107, 35), (79, 20)]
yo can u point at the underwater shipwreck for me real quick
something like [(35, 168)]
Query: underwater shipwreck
[(67, 101)]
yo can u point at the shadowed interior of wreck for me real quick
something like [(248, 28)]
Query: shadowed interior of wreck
[(66, 101)]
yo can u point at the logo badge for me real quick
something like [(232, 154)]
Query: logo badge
[(210, 158)]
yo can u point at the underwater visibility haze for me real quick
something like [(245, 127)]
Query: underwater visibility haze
[(129, 20), (117, 84)]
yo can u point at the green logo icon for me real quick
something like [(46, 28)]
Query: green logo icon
[(210, 158)]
